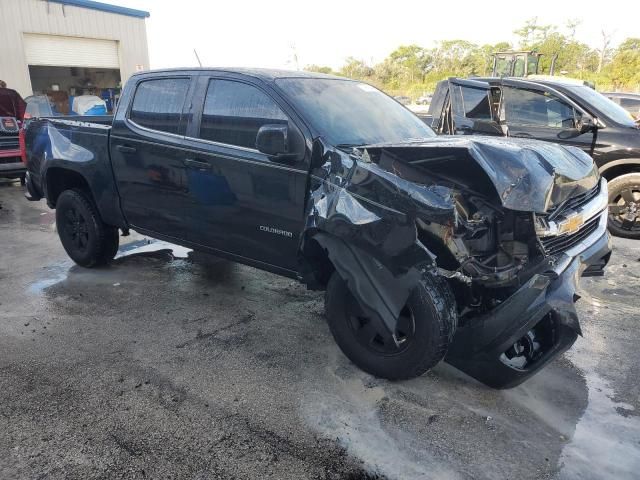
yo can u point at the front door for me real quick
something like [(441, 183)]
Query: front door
[(473, 109), (240, 201), (543, 115), (147, 152)]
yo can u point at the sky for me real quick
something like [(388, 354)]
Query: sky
[(325, 32)]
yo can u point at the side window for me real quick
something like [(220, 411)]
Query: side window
[(158, 104), (234, 112), (518, 69), (471, 103), (630, 103), (528, 107)]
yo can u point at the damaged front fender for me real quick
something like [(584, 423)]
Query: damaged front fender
[(365, 219)]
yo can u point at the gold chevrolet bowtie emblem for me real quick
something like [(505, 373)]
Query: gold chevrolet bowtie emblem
[(571, 224)]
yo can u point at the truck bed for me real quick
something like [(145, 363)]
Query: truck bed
[(76, 143)]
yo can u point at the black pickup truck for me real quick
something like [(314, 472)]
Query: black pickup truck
[(553, 109), (467, 249)]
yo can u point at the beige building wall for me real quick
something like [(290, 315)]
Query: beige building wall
[(39, 16)]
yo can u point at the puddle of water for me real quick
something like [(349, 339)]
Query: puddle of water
[(53, 274), (351, 415), (606, 443), (145, 245), (59, 271)]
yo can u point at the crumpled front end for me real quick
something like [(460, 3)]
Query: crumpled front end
[(510, 226), (365, 218), (510, 343)]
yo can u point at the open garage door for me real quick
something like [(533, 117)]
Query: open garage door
[(59, 51), (65, 68)]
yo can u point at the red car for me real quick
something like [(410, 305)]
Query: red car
[(12, 108)]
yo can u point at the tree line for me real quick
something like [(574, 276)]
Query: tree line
[(413, 70)]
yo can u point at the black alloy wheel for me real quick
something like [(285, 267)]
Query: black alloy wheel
[(374, 336), (85, 237), (75, 229), (624, 206), (423, 332)]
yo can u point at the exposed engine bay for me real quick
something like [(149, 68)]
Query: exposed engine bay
[(502, 225)]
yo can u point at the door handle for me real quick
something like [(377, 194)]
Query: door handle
[(126, 149), (191, 163), (521, 135)]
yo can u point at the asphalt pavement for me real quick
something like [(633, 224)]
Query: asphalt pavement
[(168, 364)]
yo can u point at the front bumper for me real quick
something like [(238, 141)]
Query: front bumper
[(9, 168), (544, 305)]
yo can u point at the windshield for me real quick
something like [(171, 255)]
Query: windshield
[(601, 103), (352, 113), (39, 106)]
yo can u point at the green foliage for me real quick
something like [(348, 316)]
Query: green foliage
[(413, 70), (319, 69), (624, 69)]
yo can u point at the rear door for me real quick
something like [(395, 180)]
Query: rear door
[(473, 108), (148, 155), (241, 201), (542, 113)]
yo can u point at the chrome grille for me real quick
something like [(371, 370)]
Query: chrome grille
[(573, 202), (558, 243), (9, 143), (8, 160)]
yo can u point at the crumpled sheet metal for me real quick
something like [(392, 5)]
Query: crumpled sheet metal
[(528, 175), (365, 218), (375, 210)]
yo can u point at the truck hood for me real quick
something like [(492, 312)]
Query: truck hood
[(528, 175)]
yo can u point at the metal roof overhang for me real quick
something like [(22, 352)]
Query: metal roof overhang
[(104, 7)]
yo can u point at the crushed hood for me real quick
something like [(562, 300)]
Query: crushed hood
[(528, 175)]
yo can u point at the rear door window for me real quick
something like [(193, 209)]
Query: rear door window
[(158, 104), (234, 112), (630, 103), (537, 108), (471, 103)]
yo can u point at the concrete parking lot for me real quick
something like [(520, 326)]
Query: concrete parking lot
[(170, 365)]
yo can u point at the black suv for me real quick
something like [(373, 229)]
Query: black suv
[(557, 110)]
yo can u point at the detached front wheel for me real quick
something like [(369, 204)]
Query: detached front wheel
[(424, 330), (624, 206), (85, 237)]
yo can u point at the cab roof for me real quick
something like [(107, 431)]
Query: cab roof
[(266, 74)]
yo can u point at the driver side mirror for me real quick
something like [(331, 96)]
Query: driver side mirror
[(273, 139), (586, 123)]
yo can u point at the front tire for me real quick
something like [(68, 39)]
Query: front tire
[(424, 331), (85, 237), (624, 206)]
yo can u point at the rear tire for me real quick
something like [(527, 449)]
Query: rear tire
[(85, 237), (425, 327), (624, 206)]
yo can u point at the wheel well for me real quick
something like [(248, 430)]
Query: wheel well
[(619, 170), (317, 268), (60, 179)]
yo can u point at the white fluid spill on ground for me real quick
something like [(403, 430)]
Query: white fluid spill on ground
[(54, 274), (350, 414), (153, 246), (59, 271), (606, 443)]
